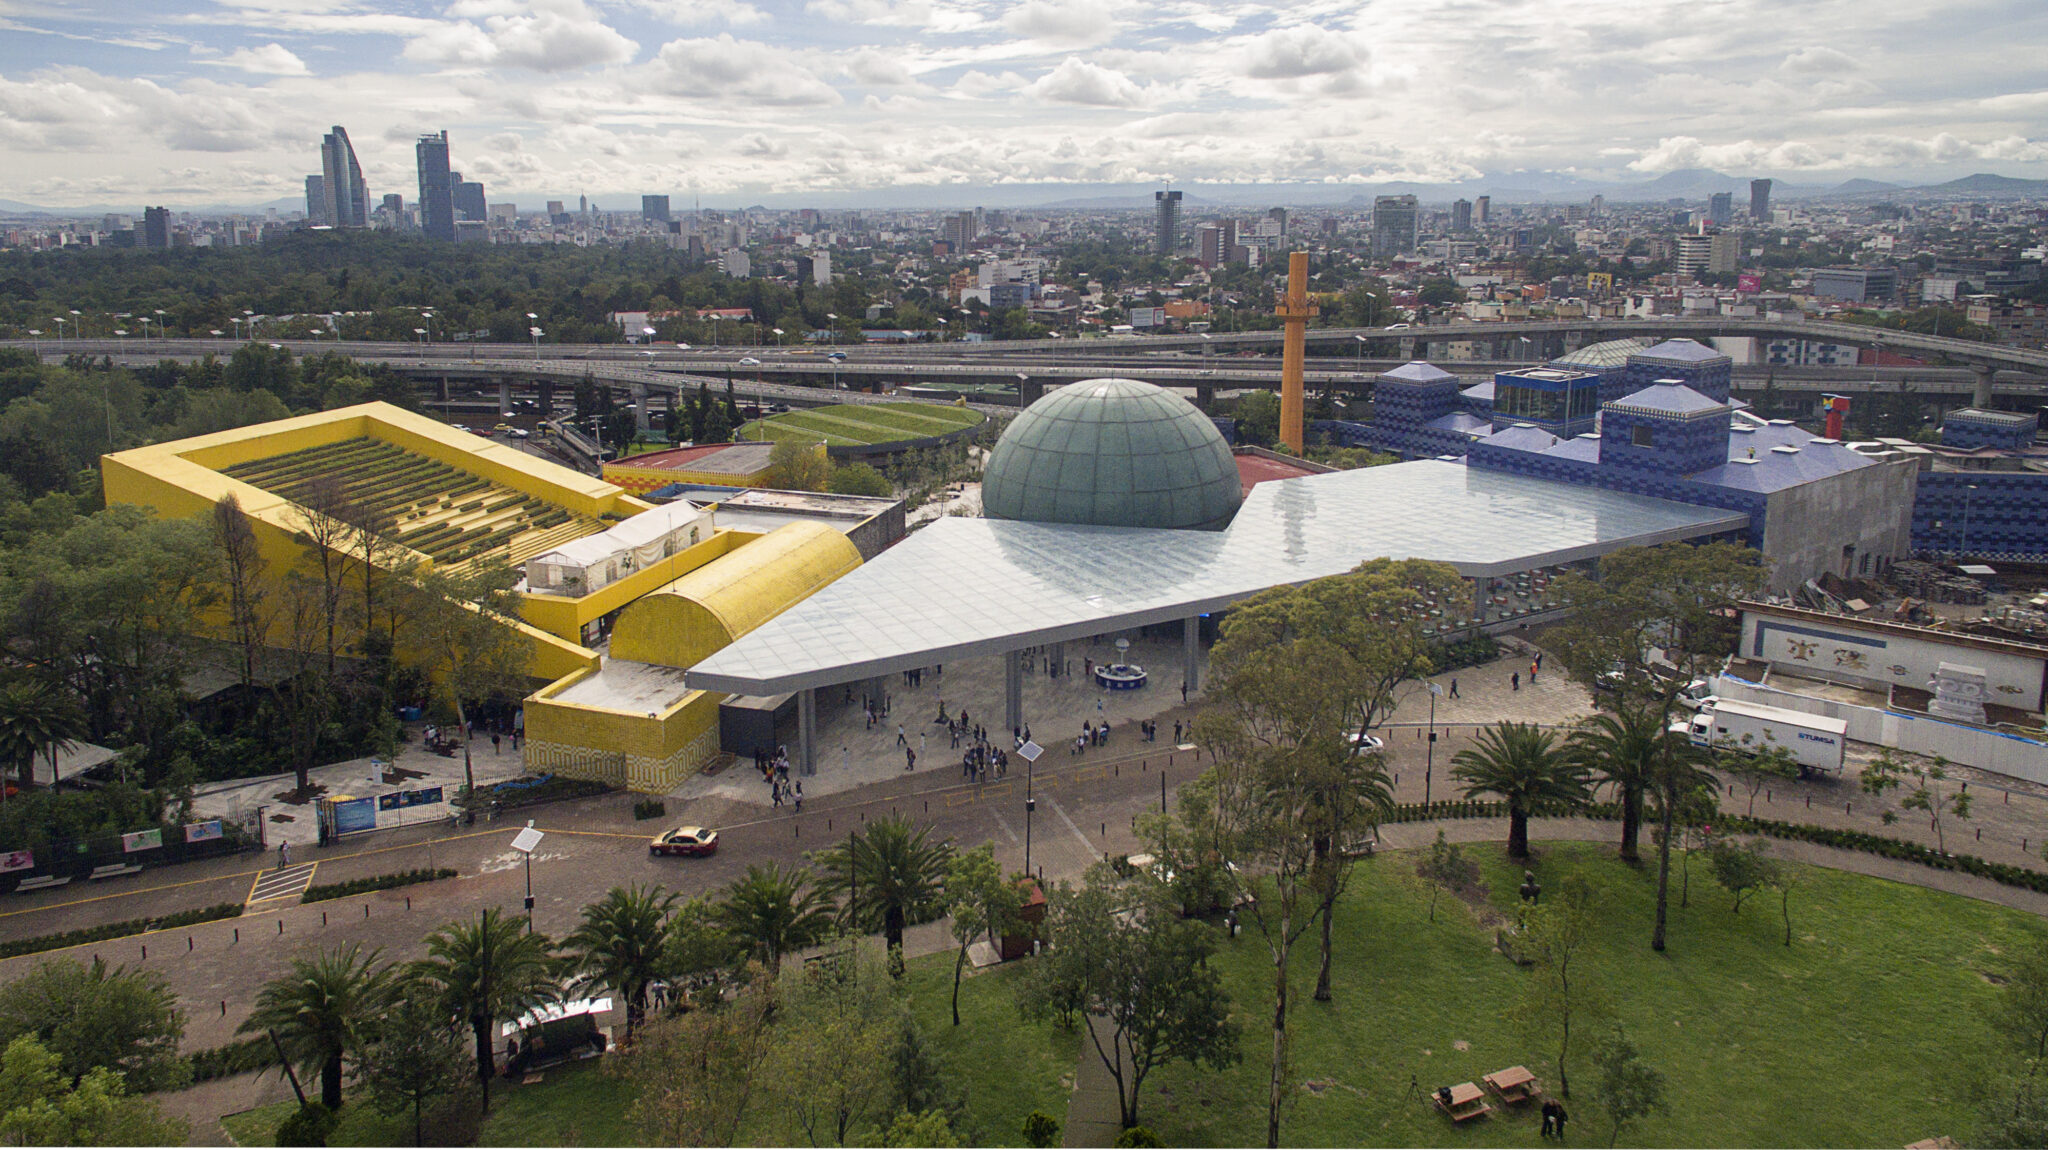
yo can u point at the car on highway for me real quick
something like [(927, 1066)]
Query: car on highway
[(836, 356), (749, 361), (511, 432), (684, 841)]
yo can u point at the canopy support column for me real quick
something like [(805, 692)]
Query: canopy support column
[(807, 731), (1191, 652), (1013, 690)]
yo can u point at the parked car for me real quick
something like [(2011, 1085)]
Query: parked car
[(551, 1035), (1363, 743), (684, 841)]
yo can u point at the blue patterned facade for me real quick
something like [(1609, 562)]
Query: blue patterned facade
[(1407, 441), (1711, 375), (1637, 481), (2005, 517), (1969, 429), (1400, 402), (1675, 445)]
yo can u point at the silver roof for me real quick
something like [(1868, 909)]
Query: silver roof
[(967, 587)]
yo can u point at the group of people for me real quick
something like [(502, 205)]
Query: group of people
[(450, 741), (1092, 735), (774, 768)]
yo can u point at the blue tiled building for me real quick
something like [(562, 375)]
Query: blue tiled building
[(1682, 361), (1970, 428), (1997, 515)]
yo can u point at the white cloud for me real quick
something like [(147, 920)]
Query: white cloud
[(541, 35), (1303, 50), (1065, 22), (886, 13), (1076, 81), (272, 59), (878, 69), (1818, 61), (691, 13), (76, 109), (737, 70)]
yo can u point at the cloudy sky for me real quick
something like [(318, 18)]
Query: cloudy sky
[(196, 102)]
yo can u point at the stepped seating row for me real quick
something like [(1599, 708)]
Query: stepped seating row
[(453, 517)]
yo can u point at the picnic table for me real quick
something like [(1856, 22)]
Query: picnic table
[(1466, 1101), (1515, 1084)]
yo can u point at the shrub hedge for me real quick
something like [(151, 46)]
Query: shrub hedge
[(356, 886), (84, 935)]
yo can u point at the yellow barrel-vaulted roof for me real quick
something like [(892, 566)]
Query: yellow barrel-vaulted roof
[(703, 611)]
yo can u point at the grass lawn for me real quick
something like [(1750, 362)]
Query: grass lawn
[(843, 424), (1870, 1030)]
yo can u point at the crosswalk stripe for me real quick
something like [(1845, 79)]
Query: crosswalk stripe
[(271, 886)]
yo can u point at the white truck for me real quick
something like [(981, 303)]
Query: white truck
[(1815, 742)]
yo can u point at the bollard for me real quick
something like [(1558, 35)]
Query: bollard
[(927, 806), (188, 944), (863, 817), (1847, 809), (238, 934), (828, 824), (280, 926), (223, 1008), (145, 953), (1767, 796), (1104, 832), (366, 910), (323, 918), (1809, 802), (1980, 834), (1117, 771), (408, 902), (798, 829)]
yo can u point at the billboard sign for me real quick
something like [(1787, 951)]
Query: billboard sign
[(203, 832), (1751, 282), (149, 840), (352, 815)]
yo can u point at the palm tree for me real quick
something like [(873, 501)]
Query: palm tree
[(35, 718), (321, 1011), (488, 970), (622, 945), (1520, 763), (896, 872), (1624, 751), (775, 911)]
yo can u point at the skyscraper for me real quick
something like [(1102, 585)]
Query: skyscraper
[(156, 229), (1461, 215), (1760, 200), (1721, 208), (469, 198), (1394, 224), (348, 202), (1483, 209), (316, 200), (437, 199), (654, 209), (1165, 222), (1279, 214)]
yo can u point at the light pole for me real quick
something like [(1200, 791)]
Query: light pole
[(1361, 349), (422, 334), (536, 334), (161, 331), (35, 335), (1429, 756), (942, 331), (249, 317), (61, 321), (1968, 491), (217, 333), (832, 328), (144, 321), (525, 842)]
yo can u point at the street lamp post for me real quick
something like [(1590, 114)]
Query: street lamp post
[(161, 331), (36, 337), (1361, 348), (535, 332), (1968, 492), (1429, 756), (525, 842), (61, 321)]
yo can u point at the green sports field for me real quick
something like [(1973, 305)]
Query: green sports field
[(851, 425)]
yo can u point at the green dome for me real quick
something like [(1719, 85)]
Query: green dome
[(1114, 453)]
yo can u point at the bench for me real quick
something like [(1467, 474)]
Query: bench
[(114, 870), (41, 882), (1466, 1102), (1514, 1085)]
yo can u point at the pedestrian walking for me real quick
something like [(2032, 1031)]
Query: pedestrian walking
[(1183, 690), (909, 759), (1532, 669), (494, 742), (1454, 688), (284, 855), (1515, 681), (900, 740), (799, 793), (1539, 660), (775, 790), (1176, 732)]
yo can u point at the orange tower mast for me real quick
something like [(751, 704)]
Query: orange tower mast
[(1296, 311)]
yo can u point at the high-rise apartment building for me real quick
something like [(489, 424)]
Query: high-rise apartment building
[(469, 198), (960, 230), (1218, 243), (317, 203), (1395, 220), (437, 199), (1706, 253), (654, 209), (1483, 209), (1461, 215), (1721, 209), (1165, 222), (1760, 200), (348, 202), (1279, 214), (1598, 206), (554, 207), (156, 229)]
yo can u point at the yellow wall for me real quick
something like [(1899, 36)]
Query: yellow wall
[(644, 479), (652, 754), (566, 615), (681, 624)]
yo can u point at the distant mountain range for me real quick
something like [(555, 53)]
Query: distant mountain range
[(1689, 185)]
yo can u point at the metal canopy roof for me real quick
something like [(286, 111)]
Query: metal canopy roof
[(961, 588)]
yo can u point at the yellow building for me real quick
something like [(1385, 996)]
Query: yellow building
[(449, 498)]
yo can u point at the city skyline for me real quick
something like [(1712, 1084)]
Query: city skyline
[(225, 101)]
